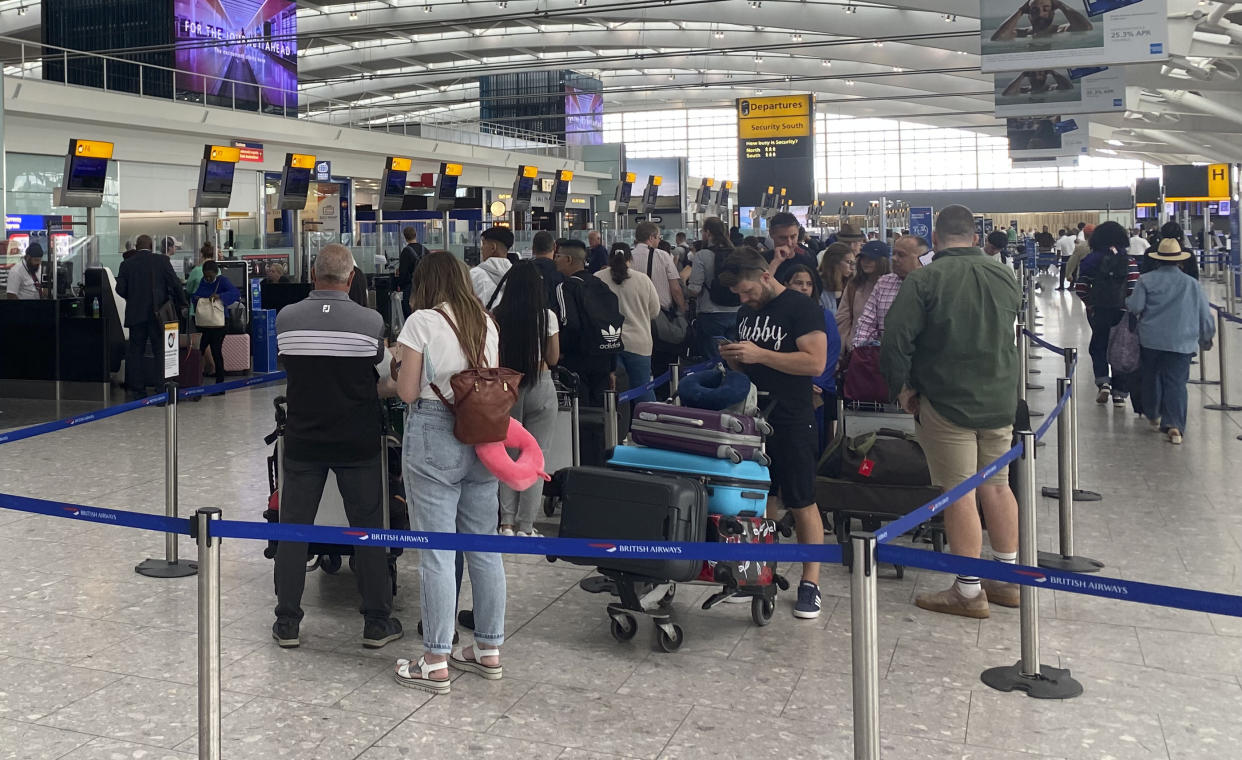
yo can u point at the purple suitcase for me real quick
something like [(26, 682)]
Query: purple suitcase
[(700, 431)]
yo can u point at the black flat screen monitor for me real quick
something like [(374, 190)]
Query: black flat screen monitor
[(218, 178), (278, 295), (394, 190), (446, 192), (86, 174), (294, 187)]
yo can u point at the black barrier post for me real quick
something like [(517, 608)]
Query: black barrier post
[(1222, 359), (1038, 681), (170, 566), (610, 420), (865, 646), (674, 378), (575, 441), (1066, 560), (1025, 346), (1020, 336), (208, 634)]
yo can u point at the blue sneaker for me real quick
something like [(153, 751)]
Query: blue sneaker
[(807, 607)]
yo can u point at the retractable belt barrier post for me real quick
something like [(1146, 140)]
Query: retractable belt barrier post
[(865, 646), (208, 634), (170, 566), (1071, 410), (1020, 336), (1202, 380), (1038, 681), (674, 378), (1026, 347), (1222, 359), (1066, 560), (610, 420)]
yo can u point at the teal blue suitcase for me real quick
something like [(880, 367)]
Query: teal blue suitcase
[(740, 490)]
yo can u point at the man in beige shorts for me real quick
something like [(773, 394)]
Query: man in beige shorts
[(948, 354)]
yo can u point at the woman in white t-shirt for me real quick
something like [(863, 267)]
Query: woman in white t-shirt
[(529, 344), (448, 489), (639, 304)]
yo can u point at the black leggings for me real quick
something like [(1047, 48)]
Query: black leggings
[(213, 339)]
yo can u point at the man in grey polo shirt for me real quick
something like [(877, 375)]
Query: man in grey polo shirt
[(330, 346)]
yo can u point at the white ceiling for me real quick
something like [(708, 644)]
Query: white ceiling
[(915, 59)]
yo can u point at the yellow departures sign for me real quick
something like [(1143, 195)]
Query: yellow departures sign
[(780, 116)]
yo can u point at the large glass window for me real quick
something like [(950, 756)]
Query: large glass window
[(866, 155)]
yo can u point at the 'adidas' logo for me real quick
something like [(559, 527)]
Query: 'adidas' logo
[(611, 333)]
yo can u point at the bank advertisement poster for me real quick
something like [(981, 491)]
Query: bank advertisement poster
[(1046, 137), (1043, 34), (1045, 92), (250, 43)]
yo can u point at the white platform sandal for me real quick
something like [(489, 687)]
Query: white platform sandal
[(459, 661), (421, 681)]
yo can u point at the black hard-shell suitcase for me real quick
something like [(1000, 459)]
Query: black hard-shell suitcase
[(627, 506)]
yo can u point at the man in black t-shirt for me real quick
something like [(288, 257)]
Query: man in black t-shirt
[(781, 346)]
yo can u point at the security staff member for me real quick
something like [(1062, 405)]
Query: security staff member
[(330, 346), (24, 276)]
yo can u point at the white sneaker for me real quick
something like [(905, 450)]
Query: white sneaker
[(506, 532), (1175, 436), (532, 533)]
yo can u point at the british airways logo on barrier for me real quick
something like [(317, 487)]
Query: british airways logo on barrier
[(606, 547), (80, 418), (358, 534), (1073, 583), (387, 538), (90, 514), (1037, 577)]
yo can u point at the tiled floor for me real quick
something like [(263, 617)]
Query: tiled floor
[(98, 663)]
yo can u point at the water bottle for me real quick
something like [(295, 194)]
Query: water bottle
[(95, 307)]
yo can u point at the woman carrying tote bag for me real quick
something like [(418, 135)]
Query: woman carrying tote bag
[(211, 299)]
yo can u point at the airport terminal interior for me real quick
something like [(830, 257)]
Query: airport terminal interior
[(242, 143)]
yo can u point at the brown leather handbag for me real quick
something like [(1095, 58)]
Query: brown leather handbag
[(482, 396)]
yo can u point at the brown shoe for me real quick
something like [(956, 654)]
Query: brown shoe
[(951, 602), (1004, 594)]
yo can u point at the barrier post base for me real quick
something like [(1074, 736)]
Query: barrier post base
[(162, 568), (1051, 683), (1224, 407), (1052, 492), (1075, 564)]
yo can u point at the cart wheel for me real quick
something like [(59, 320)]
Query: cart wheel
[(938, 540), (624, 627), (670, 642), (351, 564), (331, 563), (313, 563), (667, 599), (549, 506), (782, 583), (761, 609)]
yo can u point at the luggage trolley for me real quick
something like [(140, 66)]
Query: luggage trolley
[(330, 557)]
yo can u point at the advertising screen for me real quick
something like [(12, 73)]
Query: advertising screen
[(1045, 34), (584, 117), (251, 42), (1045, 92), (86, 174), (1046, 137)]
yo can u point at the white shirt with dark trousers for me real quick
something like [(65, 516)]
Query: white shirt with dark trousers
[(663, 271)]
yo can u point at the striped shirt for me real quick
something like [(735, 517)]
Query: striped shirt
[(1085, 278), (330, 346), (870, 326)]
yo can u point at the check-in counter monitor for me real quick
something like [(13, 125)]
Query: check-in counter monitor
[(625, 190), (295, 181), (560, 191), (86, 172), (393, 183), (446, 186), (215, 176), (523, 187), (704, 196), (651, 192)]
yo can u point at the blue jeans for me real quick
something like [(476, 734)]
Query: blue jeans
[(711, 325), (1164, 387), (638, 369), (449, 490)]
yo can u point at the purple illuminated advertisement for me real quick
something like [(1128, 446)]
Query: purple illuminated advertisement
[(584, 117), (251, 42)]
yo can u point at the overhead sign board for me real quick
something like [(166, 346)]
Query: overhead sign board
[(776, 146), (1196, 183), (1046, 137), (251, 152), (1049, 92), (1045, 34)]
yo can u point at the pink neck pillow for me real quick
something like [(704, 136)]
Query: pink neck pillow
[(521, 473)]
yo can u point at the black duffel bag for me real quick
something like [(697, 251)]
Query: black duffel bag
[(884, 457)]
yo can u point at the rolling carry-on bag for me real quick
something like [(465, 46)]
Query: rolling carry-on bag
[(732, 489), (190, 368), (740, 530), (619, 506), (236, 352), (734, 437)]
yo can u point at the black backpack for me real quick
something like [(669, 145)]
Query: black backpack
[(1108, 287), (721, 295), (592, 316)]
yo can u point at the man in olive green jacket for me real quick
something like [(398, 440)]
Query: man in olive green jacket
[(949, 356)]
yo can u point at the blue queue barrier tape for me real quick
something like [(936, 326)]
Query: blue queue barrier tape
[(119, 517), (560, 547), (1225, 313), (647, 387), (1041, 342), (232, 385), (80, 419), (698, 368), (937, 505), (50, 427), (1059, 580), (1056, 412)]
